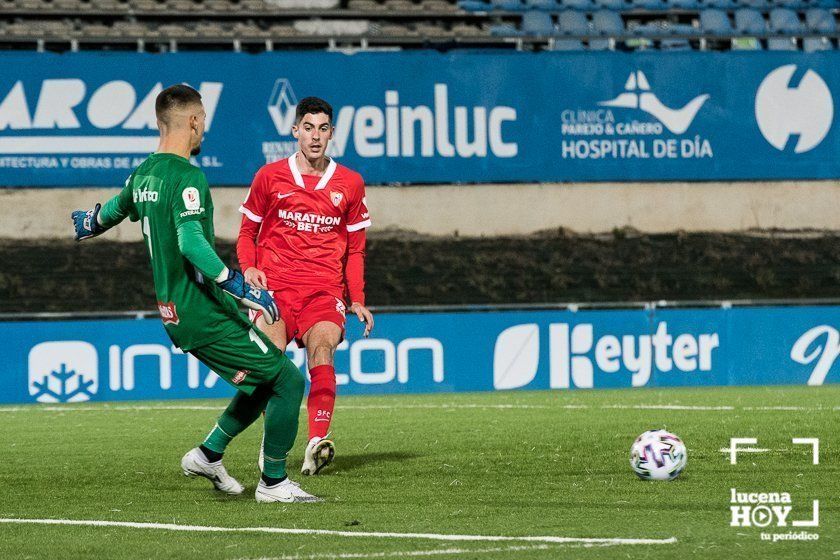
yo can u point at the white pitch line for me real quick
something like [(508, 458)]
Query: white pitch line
[(415, 553), (368, 534), (403, 553), (453, 406)]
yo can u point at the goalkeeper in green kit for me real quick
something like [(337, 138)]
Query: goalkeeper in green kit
[(171, 200)]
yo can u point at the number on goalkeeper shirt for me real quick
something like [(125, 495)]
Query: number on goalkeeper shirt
[(147, 232)]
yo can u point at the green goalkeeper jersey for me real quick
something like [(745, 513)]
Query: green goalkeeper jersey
[(166, 191)]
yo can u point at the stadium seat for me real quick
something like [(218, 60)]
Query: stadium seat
[(674, 45), (567, 45), (507, 5), (715, 22), (791, 4), (474, 5), (366, 5), (719, 4), (750, 22), (684, 4), (786, 22), (438, 6), (545, 5), (584, 5), (756, 4), (571, 22), (819, 21), (613, 4), (607, 23), (504, 30), (653, 5), (537, 23)]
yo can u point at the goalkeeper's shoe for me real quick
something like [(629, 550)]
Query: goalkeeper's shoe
[(285, 492), (195, 463), (319, 453)]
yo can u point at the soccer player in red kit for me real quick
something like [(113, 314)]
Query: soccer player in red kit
[(303, 238)]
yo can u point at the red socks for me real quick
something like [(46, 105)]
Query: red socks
[(321, 400)]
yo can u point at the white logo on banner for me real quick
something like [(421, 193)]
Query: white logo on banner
[(827, 353), (517, 355), (396, 130), (66, 371), (675, 120), (61, 104), (782, 111)]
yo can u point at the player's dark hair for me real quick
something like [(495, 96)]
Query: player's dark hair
[(313, 105), (175, 97)]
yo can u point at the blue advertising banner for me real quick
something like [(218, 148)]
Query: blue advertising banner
[(424, 117), (76, 361)]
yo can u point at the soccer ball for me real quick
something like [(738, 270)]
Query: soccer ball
[(658, 455)]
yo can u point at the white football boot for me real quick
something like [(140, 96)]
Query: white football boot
[(319, 453), (287, 492), (194, 463)]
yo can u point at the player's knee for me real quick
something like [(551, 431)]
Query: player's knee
[(321, 355)]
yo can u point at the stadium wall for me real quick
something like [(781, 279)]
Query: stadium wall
[(559, 349), (493, 210)]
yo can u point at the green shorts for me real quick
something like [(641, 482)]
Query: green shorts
[(245, 358)]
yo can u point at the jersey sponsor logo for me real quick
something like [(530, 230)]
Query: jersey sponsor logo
[(191, 213), (115, 107), (168, 313), (336, 197), (145, 195), (306, 221), (239, 376), (192, 201)]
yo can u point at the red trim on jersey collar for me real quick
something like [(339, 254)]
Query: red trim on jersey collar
[(299, 178)]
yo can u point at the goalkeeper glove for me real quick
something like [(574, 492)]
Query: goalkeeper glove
[(251, 297), (85, 223)]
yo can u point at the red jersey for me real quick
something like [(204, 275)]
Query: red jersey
[(304, 223)]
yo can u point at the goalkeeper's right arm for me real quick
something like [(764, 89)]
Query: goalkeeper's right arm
[(100, 219)]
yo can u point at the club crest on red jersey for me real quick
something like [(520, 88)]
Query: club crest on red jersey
[(168, 313), (336, 197), (240, 376)]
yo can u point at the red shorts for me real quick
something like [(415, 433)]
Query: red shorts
[(300, 311)]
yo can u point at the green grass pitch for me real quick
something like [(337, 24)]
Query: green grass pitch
[(493, 464)]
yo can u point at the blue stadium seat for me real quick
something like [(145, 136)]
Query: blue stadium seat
[(607, 23), (720, 4), (571, 22), (750, 22), (613, 4), (648, 5), (715, 22), (791, 4), (504, 30), (820, 20), (674, 45), (537, 23), (544, 5), (684, 4), (584, 5), (756, 4), (785, 21), (567, 45), (507, 5), (474, 5)]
